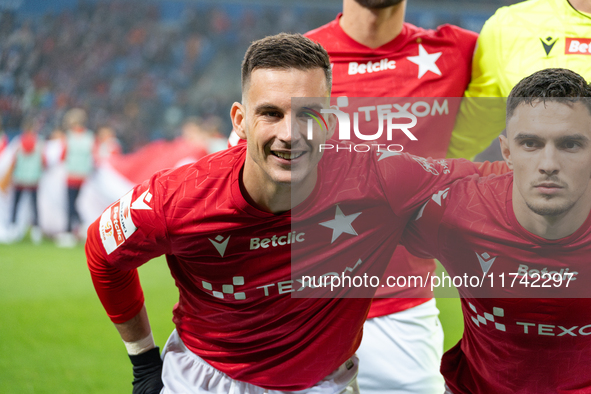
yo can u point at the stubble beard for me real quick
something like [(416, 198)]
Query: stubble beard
[(378, 3), (554, 210)]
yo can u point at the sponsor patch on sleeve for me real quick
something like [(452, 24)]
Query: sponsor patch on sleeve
[(116, 224)]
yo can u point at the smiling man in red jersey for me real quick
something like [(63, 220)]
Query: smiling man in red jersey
[(244, 322), (528, 333), (375, 53)]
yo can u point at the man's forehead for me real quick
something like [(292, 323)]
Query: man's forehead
[(286, 78), (550, 117)]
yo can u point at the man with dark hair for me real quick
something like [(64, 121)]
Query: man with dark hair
[(527, 234), (555, 84), (303, 55), (376, 53), (236, 244)]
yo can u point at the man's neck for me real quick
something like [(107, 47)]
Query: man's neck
[(551, 227), (273, 197), (581, 5), (372, 27)]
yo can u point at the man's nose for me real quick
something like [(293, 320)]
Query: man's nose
[(284, 132), (549, 161)]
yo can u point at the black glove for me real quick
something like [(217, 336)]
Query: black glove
[(147, 372)]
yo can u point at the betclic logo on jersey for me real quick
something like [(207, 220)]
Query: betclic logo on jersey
[(371, 124), (577, 46), (116, 224)]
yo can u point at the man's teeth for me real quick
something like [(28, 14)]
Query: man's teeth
[(288, 156)]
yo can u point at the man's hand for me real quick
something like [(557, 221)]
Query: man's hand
[(147, 372)]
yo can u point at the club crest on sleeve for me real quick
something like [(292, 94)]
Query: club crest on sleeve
[(429, 167)]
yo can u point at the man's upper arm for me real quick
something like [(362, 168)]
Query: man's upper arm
[(129, 233), (421, 235), (409, 181), (481, 117)]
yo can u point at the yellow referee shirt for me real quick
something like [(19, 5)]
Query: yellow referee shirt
[(514, 43)]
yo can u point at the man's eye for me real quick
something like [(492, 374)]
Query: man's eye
[(529, 144), (273, 114), (570, 145)]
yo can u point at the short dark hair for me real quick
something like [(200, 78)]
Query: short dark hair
[(552, 84), (284, 51)]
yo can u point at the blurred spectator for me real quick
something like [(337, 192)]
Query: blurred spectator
[(205, 133), (80, 144), (3, 138), (107, 144), (27, 170)]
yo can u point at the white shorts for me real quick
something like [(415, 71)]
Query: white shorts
[(185, 372), (401, 353)]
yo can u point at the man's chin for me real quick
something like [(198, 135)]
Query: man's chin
[(549, 208), (377, 4)]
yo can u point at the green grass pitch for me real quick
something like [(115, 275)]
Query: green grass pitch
[(55, 336)]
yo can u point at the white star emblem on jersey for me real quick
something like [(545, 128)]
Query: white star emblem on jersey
[(341, 224), (426, 61)]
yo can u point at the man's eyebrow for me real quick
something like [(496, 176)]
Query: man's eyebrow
[(266, 107), (573, 138), (315, 106), (521, 136)]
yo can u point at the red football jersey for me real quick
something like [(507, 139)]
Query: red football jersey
[(512, 343), (432, 66), (242, 306)]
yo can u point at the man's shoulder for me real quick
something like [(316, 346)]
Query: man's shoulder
[(457, 32), (478, 195), (211, 171), (518, 14), (484, 185), (445, 33)]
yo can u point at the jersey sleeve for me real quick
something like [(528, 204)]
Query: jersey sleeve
[(492, 168), (481, 117), (128, 234), (408, 181), (421, 235)]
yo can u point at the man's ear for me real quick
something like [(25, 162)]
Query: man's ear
[(331, 122), (238, 115), (506, 151)]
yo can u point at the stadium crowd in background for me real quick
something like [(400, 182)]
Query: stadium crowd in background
[(128, 66)]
